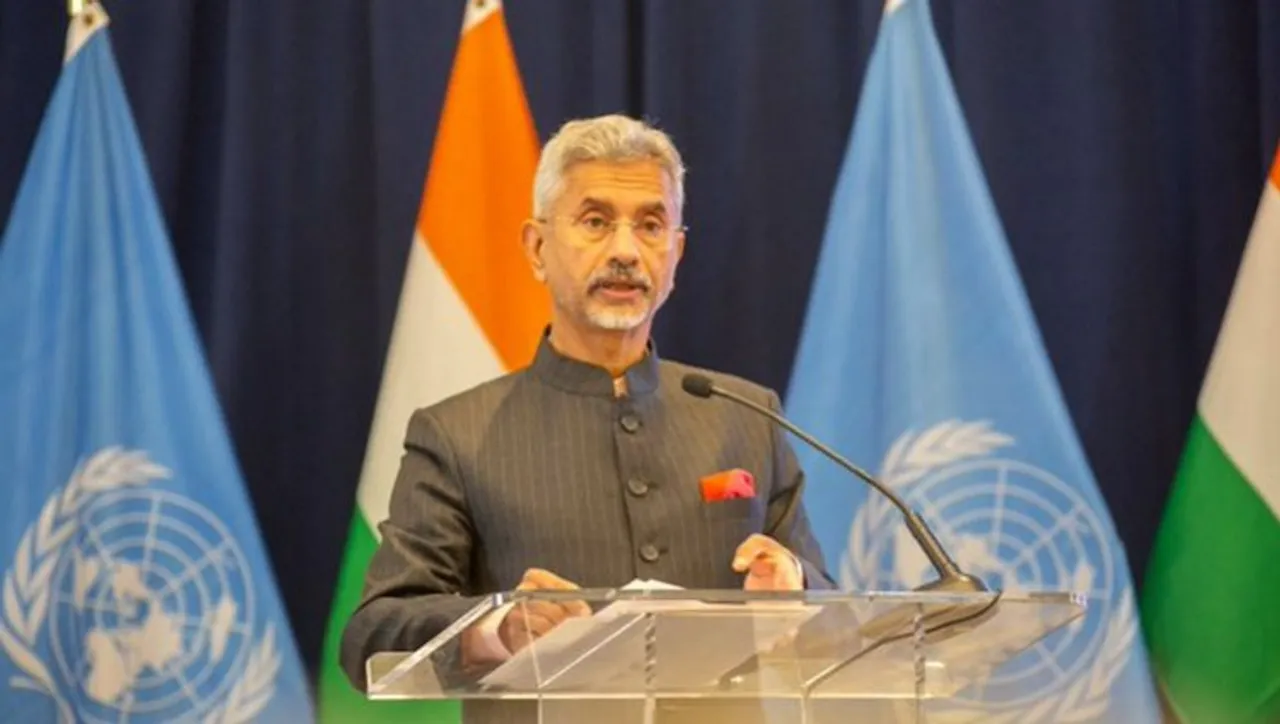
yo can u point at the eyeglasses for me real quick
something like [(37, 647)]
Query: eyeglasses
[(595, 228)]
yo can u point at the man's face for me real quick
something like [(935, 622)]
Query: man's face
[(608, 246)]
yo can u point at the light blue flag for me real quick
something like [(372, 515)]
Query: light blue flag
[(920, 353), (135, 586)]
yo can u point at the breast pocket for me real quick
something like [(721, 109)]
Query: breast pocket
[(732, 495), (736, 509), (727, 523)]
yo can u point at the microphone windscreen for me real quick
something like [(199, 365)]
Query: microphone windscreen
[(698, 385)]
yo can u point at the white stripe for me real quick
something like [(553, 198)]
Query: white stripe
[(1241, 398), (437, 349), (477, 11), (82, 27)]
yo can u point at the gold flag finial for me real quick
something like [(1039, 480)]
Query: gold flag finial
[(76, 8)]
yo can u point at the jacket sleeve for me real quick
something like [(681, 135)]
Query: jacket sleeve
[(786, 520), (417, 582)]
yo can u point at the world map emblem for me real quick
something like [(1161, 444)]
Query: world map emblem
[(1020, 529), (129, 602)]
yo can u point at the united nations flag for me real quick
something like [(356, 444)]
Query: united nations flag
[(920, 351), (133, 582)]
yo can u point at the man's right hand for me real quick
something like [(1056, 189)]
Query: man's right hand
[(530, 620)]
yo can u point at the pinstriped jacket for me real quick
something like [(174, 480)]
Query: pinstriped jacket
[(546, 467)]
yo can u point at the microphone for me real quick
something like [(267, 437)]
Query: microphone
[(950, 577)]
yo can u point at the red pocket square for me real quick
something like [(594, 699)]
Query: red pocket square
[(727, 485)]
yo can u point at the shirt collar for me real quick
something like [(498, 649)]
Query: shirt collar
[(583, 378)]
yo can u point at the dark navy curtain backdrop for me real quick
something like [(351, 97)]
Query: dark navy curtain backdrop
[(1125, 144)]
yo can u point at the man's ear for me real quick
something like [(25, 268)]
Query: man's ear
[(679, 242), (532, 240)]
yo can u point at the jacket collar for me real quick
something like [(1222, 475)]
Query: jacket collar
[(583, 378)]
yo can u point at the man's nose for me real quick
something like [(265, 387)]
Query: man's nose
[(624, 246)]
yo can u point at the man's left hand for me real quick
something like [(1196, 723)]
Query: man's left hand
[(768, 564)]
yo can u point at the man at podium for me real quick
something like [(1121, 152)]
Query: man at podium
[(591, 467)]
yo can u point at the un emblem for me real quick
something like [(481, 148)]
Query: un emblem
[(130, 602), (1019, 528)]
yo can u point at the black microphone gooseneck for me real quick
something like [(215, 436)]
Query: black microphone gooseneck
[(950, 577)]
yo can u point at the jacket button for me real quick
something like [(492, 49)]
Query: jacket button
[(629, 422), (649, 553), (637, 487)]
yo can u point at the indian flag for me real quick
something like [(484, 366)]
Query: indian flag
[(1211, 604), (469, 310)]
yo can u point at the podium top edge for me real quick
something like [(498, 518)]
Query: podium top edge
[(815, 597)]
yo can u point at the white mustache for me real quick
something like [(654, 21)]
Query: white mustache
[(603, 279)]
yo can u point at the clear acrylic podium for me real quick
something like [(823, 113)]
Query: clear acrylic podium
[(730, 656)]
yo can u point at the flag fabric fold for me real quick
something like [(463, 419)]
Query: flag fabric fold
[(470, 309), (1211, 598), (135, 583), (919, 350)]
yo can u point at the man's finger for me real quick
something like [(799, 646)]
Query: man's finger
[(514, 632), (765, 567), (576, 609), (773, 573), (514, 638), (764, 574), (753, 547), (560, 610), (553, 611), (539, 625), (538, 578), (530, 620), (525, 627)]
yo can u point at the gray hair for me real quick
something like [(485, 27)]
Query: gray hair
[(612, 138)]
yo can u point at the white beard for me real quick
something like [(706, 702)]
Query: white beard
[(617, 320), (607, 316)]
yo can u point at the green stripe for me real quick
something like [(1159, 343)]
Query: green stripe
[(1211, 601), (340, 702)]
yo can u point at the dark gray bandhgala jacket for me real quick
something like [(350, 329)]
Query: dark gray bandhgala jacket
[(545, 467)]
